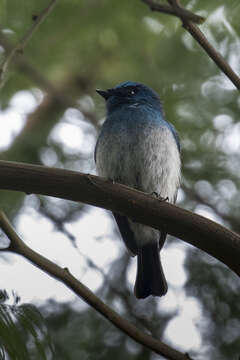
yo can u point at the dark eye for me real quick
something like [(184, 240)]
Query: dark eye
[(132, 91)]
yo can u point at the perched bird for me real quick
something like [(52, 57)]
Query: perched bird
[(139, 148)]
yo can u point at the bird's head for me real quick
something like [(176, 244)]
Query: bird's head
[(131, 94)]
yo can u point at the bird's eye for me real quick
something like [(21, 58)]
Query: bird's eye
[(132, 91)]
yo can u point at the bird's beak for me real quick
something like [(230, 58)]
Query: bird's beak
[(104, 93)]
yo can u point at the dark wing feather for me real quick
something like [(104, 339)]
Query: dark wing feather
[(163, 235), (127, 233), (150, 277)]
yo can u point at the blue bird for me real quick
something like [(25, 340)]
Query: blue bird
[(137, 147)]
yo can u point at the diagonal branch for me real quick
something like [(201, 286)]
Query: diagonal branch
[(188, 24), (178, 12), (211, 51), (38, 20), (198, 231), (62, 274)]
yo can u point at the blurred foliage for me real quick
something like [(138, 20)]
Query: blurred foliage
[(96, 44), (23, 332)]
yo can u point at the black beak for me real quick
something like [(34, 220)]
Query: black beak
[(104, 93)]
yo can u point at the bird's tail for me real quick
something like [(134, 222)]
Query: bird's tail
[(150, 277)]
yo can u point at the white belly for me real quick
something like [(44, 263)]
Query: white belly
[(150, 162)]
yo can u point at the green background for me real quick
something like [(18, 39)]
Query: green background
[(84, 45)]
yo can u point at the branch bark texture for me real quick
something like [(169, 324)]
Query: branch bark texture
[(196, 230)]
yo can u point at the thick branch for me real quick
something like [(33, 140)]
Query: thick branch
[(205, 234), (196, 33), (63, 275), (23, 42)]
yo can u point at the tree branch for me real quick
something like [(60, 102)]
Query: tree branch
[(188, 24), (178, 12), (38, 20), (62, 274), (202, 233)]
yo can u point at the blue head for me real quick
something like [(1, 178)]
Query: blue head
[(130, 93)]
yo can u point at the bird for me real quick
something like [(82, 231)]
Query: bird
[(139, 148)]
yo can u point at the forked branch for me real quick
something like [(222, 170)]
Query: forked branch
[(189, 21)]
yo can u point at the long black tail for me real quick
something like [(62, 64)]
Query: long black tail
[(150, 277)]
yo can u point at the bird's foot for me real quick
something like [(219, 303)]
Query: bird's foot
[(159, 197)]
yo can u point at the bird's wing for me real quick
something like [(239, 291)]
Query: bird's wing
[(162, 238), (176, 137), (127, 233), (95, 151)]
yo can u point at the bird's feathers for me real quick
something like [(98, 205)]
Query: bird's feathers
[(127, 233), (139, 154), (139, 148), (150, 277)]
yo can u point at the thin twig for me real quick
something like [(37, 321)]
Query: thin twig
[(45, 84), (63, 275), (188, 24), (210, 50), (178, 12), (38, 20)]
